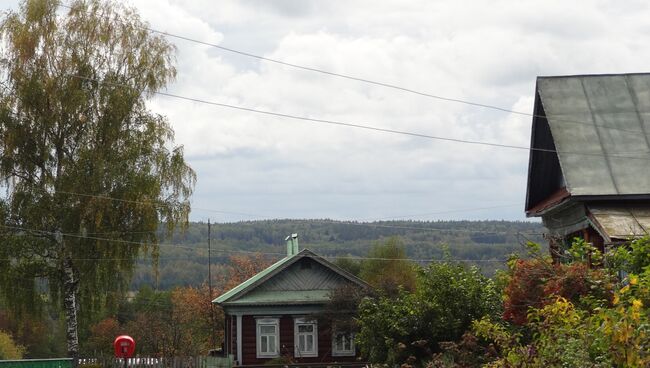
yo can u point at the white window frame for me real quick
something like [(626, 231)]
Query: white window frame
[(259, 322), (336, 351), (301, 321)]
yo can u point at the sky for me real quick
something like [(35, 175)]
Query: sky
[(251, 166)]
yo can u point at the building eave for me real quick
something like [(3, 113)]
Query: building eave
[(551, 203)]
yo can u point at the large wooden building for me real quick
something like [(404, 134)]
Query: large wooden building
[(589, 167), (271, 315)]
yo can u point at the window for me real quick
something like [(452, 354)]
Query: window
[(267, 337), (343, 344), (305, 338)]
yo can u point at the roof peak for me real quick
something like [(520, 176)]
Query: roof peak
[(590, 75), (269, 272)]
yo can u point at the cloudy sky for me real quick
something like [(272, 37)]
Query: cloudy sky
[(253, 166)]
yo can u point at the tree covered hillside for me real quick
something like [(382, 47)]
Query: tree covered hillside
[(184, 257)]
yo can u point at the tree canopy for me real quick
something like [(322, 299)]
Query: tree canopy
[(409, 327), (387, 268), (81, 154)]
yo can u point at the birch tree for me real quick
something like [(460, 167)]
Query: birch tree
[(89, 171)]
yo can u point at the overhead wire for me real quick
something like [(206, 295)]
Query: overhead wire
[(372, 128), (122, 241), (368, 81), (440, 212), (335, 222)]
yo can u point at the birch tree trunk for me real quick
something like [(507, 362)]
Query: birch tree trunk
[(70, 286)]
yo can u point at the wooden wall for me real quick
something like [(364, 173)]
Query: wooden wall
[(249, 342)]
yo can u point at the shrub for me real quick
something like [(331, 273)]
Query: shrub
[(410, 327), (8, 348)]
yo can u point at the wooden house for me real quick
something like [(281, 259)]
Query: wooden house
[(271, 315), (589, 166)]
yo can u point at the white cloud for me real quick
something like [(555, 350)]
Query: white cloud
[(484, 51)]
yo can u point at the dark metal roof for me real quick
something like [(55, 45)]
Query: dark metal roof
[(600, 127)]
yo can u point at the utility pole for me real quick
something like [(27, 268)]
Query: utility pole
[(214, 335), (209, 262)]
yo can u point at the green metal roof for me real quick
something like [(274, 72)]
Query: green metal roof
[(283, 297), (247, 293), (241, 287)]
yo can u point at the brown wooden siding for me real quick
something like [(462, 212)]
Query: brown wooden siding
[(232, 333), (249, 341)]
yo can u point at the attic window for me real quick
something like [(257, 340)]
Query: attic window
[(305, 265)]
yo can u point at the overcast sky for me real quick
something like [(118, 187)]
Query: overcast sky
[(489, 52)]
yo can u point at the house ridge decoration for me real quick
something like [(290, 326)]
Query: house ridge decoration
[(589, 166), (270, 315)]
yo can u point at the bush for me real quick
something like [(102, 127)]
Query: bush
[(537, 282), (410, 327), (8, 348)]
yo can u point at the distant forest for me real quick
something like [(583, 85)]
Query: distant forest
[(183, 257)]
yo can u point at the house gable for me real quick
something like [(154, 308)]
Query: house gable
[(303, 278), (544, 173), (305, 274)]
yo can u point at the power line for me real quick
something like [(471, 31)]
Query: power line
[(431, 260), (121, 241), (153, 202), (368, 81), (368, 127), (381, 225), (442, 212), (352, 223)]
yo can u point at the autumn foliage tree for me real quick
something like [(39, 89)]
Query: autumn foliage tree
[(199, 320), (180, 322), (81, 153), (538, 281), (239, 269), (102, 335)]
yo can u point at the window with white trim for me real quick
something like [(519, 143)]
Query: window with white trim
[(268, 331), (343, 344), (305, 338)]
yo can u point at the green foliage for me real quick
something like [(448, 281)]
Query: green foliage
[(581, 251), (446, 300), (350, 265), (8, 348), (387, 269), (634, 258)]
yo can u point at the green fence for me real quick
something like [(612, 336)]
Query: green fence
[(37, 363)]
